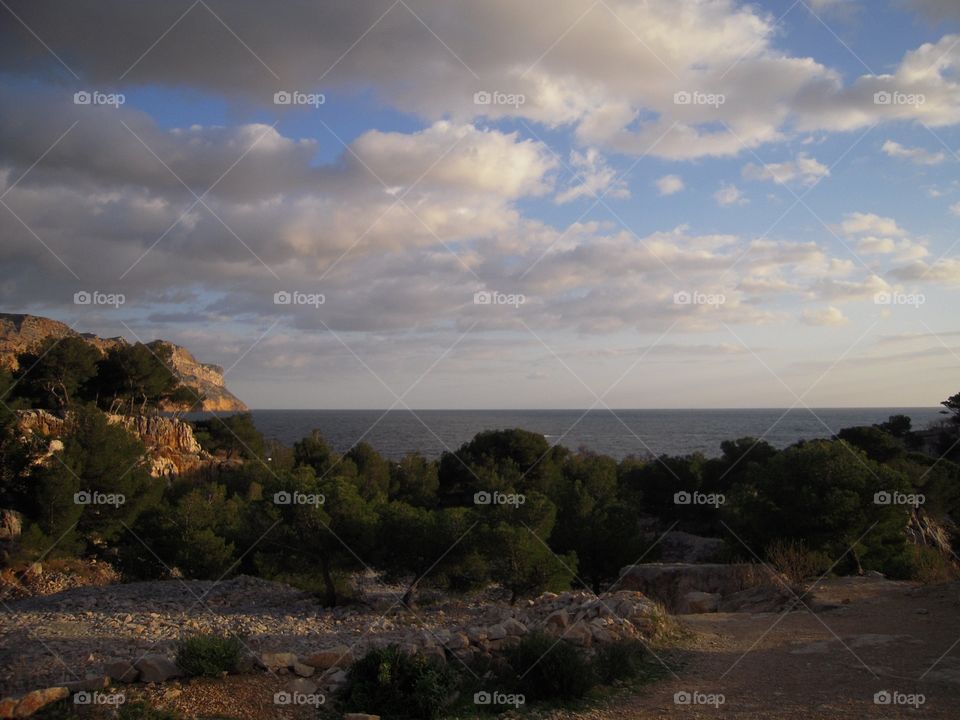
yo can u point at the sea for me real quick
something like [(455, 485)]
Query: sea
[(619, 433)]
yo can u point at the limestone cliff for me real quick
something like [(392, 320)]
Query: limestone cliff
[(21, 333), (171, 447)]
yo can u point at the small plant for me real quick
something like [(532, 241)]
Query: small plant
[(794, 561), (393, 684), (622, 660), (209, 655), (541, 668), (932, 567)]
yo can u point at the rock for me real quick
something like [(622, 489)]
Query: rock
[(477, 635), (157, 669), (326, 659), (763, 598), (360, 716), (669, 583), (558, 620), (277, 660), (33, 701), (514, 627), (681, 547), (303, 670), (90, 682), (336, 678), (122, 671), (579, 634), (700, 602), (496, 632), (303, 686)]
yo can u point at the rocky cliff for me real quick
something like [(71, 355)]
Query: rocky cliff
[(171, 447), (21, 333)]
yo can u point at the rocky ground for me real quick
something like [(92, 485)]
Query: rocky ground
[(868, 636)]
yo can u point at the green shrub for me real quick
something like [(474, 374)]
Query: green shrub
[(543, 669), (622, 660), (392, 684), (209, 655)]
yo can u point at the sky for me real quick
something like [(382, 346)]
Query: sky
[(493, 204)]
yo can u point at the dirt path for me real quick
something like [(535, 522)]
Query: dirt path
[(880, 636)]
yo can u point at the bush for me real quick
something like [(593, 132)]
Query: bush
[(795, 561), (622, 660), (932, 567), (543, 669), (392, 684), (209, 655)]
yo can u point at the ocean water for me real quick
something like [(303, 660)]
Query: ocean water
[(628, 432)]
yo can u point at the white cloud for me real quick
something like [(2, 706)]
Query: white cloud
[(729, 195), (955, 209), (670, 184), (803, 169), (828, 316), (858, 223), (918, 156), (594, 178)]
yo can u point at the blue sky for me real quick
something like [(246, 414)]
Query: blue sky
[(812, 226)]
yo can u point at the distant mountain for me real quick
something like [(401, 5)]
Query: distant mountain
[(21, 333)]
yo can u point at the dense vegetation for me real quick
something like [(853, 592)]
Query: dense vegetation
[(505, 507)]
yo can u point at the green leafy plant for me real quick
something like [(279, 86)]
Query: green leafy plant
[(543, 669), (392, 684), (209, 655)]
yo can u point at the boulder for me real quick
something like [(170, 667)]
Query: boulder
[(763, 598), (670, 583), (697, 602), (496, 632), (33, 701), (277, 660), (302, 686), (303, 670), (157, 669), (682, 547), (558, 620), (514, 628), (122, 671), (325, 659)]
